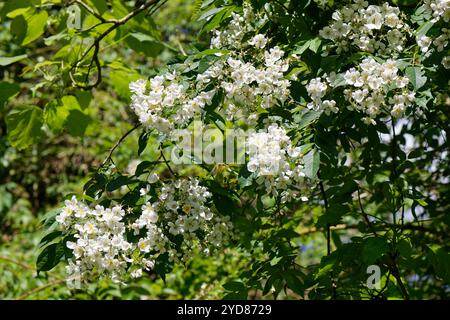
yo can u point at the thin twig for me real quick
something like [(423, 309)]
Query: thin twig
[(38, 289), (90, 10), (109, 157), (96, 44), (21, 264), (366, 217), (325, 199), (167, 163)]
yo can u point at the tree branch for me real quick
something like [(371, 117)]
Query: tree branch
[(109, 157), (96, 44), (325, 199)]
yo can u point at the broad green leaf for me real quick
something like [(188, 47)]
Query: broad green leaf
[(143, 43), (424, 28), (117, 183), (163, 265), (55, 116), (416, 76), (307, 118), (121, 80), (311, 163), (4, 61), (100, 5), (209, 13), (50, 256), (373, 249), (143, 139), (7, 90), (84, 98), (10, 7), (24, 126), (234, 286), (35, 27), (77, 122)]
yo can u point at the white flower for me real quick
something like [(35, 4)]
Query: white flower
[(424, 43), (136, 273), (138, 87), (446, 62), (259, 41)]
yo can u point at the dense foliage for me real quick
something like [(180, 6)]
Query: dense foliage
[(338, 113)]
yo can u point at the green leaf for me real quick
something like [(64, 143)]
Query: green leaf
[(163, 266), (424, 28), (234, 286), (146, 44), (293, 282), (50, 237), (373, 249), (55, 116), (120, 80), (50, 257), (77, 122), (117, 183), (11, 7), (24, 126), (440, 260), (324, 270), (209, 13), (238, 290), (307, 118), (143, 139), (416, 77), (84, 98), (18, 28), (100, 5), (4, 61), (35, 27), (312, 163), (315, 44), (7, 90)]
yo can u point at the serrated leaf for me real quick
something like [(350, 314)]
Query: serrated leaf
[(416, 76), (24, 126), (311, 163)]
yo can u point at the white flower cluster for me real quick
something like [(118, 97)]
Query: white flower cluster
[(370, 28), (317, 89), (233, 35), (99, 244), (104, 246), (250, 74), (440, 42), (275, 162), (370, 84), (440, 9), (249, 84), (166, 102), (182, 208)]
